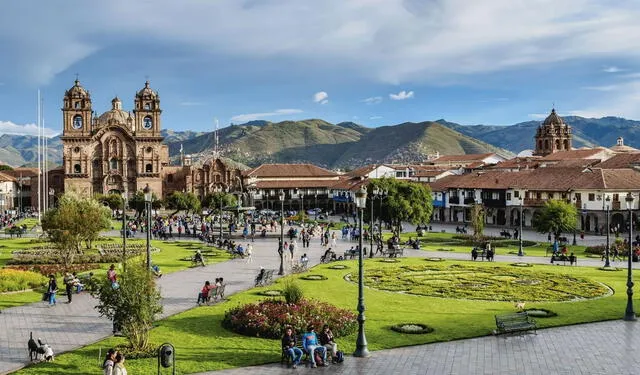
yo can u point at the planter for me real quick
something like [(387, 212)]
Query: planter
[(412, 328), (271, 293), (540, 313), (434, 259), (339, 267), (389, 260), (314, 277)]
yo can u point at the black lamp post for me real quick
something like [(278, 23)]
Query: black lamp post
[(575, 200), (374, 195), (281, 245), (147, 201), (221, 210), (383, 194), (520, 252), (361, 341), (124, 230), (629, 314), (606, 250), (302, 208)]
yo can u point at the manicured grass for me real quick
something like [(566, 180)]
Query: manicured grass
[(30, 222), (202, 344), (436, 241), (169, 259)]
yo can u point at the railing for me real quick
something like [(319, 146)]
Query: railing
[(534, 202), (454, 200), (469, 200)]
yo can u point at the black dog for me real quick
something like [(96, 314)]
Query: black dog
[(33, 347)]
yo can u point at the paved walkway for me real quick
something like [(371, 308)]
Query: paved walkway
[(587, 349), (70, 326)]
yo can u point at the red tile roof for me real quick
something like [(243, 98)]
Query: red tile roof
[(289, 170), (293, 183), (577, 154), (462, 158), (621, 161)]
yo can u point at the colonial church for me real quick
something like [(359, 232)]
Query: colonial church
[(123, 151), (553, 135)]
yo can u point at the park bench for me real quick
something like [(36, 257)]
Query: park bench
[(572, 259), (505, 234), (286, 359), (479, 254), (513, 323), (216, 294), (393, 252), (264, 278)]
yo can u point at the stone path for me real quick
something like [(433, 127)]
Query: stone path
[(587, 349), (70, 326)]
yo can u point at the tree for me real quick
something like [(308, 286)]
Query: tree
[(212, 201), (137, 202), (406, 201), (477, 219), (555, 217), (113, 201), (74, 220), (180, 201), (133, 305)]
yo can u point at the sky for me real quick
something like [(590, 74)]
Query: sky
[(373, 62)]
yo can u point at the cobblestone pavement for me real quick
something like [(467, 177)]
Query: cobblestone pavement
[(587, 349), (70, 326)]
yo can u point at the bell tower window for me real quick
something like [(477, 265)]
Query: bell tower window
[(76, 105), (148, 168), (77, 168), (114, 163), (147, 122), (147, 106), (77, 122)]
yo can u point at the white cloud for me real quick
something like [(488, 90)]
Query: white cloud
[(375, 117), (402, 95), (621, 102), (383, 40), (8, 127), (258, 116), (612, 69), (321, 97), (372, 100)]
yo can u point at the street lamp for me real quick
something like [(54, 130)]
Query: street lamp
[(302, 207), (147, 201), (383, 194), (361, 341), (374, 194), (629, 314), (520, 252), (606, 250), (124, 229), (575, 200), (281, 245)]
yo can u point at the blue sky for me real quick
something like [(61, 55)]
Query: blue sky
[(374, 62)]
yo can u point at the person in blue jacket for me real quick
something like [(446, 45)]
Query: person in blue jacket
[(310, 344)]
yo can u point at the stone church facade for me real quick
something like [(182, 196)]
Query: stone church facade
[(552, 135), (123, 151)]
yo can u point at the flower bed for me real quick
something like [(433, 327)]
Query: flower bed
[(389, 260), (12, 280), (270, 293), (522, 264), (540, 313), (338, 267), (498, 283), (434, 259), (268, 318), (48, 269), (314, 277), (412, 328)]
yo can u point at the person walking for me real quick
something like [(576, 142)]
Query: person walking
[(68, 286), (249, 252), (52, 290)]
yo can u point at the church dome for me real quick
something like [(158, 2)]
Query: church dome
[(147, 92), (553, 119), (620, 147), (116, 114), (77, 91)]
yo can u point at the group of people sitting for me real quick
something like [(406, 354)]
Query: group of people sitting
[(316, 346), (414, 244), (208, 290)]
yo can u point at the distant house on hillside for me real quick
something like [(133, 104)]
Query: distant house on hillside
[(468, 161)]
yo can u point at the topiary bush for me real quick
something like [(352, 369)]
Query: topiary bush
[(292, 292), (269, 318)]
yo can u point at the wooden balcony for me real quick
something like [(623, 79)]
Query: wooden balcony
[(529, 202)]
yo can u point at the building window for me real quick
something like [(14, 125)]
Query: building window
[(76, 105), (578, 197), (147, 106), (495, 196), (114, 163), (616, 198), (77, 168), (592, 197), (508, 196), (516, 194), (148, 168)]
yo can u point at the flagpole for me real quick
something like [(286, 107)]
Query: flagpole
[(39, 119)]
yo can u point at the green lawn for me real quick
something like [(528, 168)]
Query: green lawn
[(169, 259), (202, 344), (30, 222), (436, 241)]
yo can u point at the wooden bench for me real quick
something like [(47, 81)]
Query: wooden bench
[(286, 359), (513, 323), (572, 259), (216, 294), (264, 278)]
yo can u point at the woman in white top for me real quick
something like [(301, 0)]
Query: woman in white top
[(118, 368)]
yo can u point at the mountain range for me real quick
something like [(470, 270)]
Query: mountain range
[(348, 145)]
